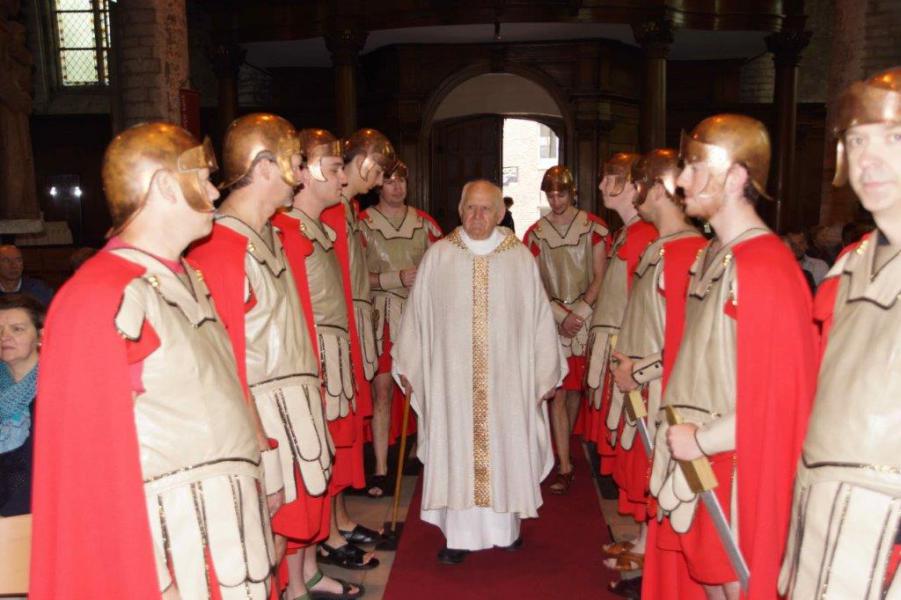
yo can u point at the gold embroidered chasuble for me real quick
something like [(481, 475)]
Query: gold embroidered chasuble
[(479, 345)]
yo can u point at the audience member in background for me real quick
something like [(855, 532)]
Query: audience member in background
[(21, 321), (799, 244), (855, 230), (80, 256), (826, 242), (507, 221), (12, 281)]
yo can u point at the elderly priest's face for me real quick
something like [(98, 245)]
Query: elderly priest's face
[(481, 209)]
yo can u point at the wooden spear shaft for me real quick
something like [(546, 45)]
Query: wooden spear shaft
[(400, 461)]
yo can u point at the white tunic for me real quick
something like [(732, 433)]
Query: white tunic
[(479, 345)]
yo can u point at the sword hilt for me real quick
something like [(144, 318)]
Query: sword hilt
[(634, 405), (698, 472)]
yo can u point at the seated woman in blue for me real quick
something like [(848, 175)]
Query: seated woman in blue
[(21, 321)]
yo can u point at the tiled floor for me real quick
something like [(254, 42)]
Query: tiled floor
[(373, 513)]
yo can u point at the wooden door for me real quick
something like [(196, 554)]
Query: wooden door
[(462, 150)]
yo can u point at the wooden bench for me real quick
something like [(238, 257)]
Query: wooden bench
[(15, 550)]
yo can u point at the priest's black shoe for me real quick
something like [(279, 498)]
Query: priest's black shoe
[(449, 556)]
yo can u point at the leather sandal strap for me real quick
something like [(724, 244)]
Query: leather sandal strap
[(316, 578)]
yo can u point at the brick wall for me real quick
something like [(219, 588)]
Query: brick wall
[(757, 80), (153, 55)]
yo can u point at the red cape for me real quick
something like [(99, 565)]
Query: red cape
[(297, 248), (824, 303), (220, 257), (678, 257), (776, 378), (639, 235), (91, 536), (335, 218), (665, 572)]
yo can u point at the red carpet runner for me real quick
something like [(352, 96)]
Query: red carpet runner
[(560, 557)]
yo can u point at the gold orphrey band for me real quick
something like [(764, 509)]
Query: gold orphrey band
[(481, 449)]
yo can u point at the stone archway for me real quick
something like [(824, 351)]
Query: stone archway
[(477, 91)]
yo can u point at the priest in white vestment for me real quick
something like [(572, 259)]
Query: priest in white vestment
[(479, 347)]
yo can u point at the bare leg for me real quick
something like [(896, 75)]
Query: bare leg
[(381, 420), (573, 404), (642, 539), (715, 592), (341, 520), (732, 590), (561, 428), (308, 570), (296, 575)]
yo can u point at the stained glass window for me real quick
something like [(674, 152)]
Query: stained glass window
[(83, 39)]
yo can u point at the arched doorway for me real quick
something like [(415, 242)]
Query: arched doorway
[(466, 139)]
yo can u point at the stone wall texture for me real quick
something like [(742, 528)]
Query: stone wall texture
[(153, 59)]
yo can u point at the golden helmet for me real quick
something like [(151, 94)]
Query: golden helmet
[(375, 148), (136, 155), (875, 100), (398, 171), (660, 165), (558, 179), (252, 134), (619, 166), (723, 140), (316, 144)]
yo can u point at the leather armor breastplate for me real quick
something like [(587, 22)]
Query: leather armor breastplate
[(277, 341), (191, 413)]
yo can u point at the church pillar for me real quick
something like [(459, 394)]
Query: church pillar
[(655, 38), (345, 45), (19, 209), (152, 59), (786, 47), (226, 60), (586, 107)]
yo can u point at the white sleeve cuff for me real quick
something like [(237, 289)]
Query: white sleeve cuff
[(717, 436)]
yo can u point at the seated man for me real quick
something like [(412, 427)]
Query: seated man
[(478, 349), (13, 282)]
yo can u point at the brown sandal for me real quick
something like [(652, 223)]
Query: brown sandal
[(617, 548), (629, 561), (561, 485)]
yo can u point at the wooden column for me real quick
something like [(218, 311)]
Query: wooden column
[(655, 38), (345, 45), (226, 60), (786, 47)]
